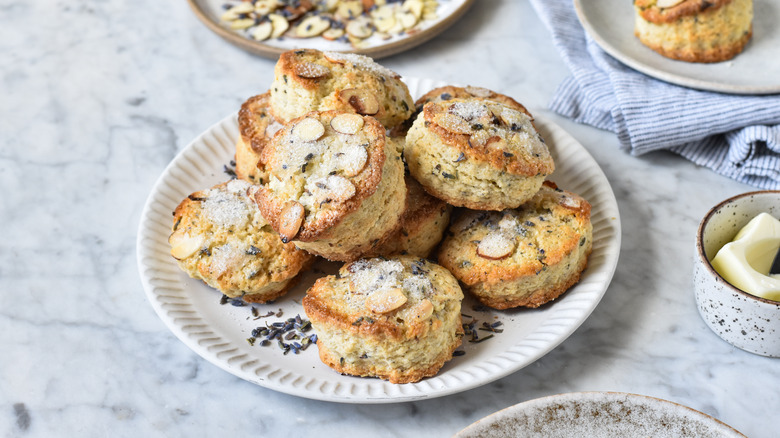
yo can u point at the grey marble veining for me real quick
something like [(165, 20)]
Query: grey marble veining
[(98, 97)]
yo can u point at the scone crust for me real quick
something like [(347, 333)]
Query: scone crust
[(336, 225), (295, 92), (695, 30), (543, 248), (447, 92), (256, 126), (232, 248), (402, 345), (422, 225), (478, 154)]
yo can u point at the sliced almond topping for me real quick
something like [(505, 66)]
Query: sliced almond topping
[(359, 29), (348, 10), (478, 91), (384, 18), (308, 129), (668, 3), (453, 123), (280, 25), (265, 7), (290, 220), (413, 6), (333, 34), (347, 123), (407, 19), (184, 245), (310, 70), (312, 26), (262, 31), (242, 23), (569, 202), (363, 101), (385, 300), (352, 160), (234, 12), (496, 246), (422, 311)]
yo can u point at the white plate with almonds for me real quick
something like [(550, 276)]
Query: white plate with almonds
[(376, 28), (502, 342), (754, 71)]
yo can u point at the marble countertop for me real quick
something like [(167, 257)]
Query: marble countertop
[(98, 97)]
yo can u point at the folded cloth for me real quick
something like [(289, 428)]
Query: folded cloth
[(736, 136)]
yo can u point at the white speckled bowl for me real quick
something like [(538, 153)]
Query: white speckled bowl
[(597, 415), (743, 320)]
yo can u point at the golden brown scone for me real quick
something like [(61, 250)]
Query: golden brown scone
[(522, 257), (220, 237), (448, 92), (257, 126), (422, 225), (476, 153), (309, 80), (335, 184), (397, 319), (694, 30)]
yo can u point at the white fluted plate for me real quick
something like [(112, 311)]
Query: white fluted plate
[(597, 415), (754, 71), (219, 333)]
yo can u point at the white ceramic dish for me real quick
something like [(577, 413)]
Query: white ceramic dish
[(743, 320), (755, 71), (209, 11), (217, 333), (598, 414)]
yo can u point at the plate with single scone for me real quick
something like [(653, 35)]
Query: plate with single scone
[(377, 28), (288, 277), (728, 46)]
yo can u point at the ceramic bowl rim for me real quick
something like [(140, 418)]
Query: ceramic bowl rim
[(700, 246)]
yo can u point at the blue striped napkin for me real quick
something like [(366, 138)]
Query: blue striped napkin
[(736, 136)]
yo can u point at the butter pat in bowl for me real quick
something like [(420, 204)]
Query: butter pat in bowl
[(735, 246)]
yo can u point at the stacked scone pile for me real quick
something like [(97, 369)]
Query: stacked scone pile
[(336, 160)]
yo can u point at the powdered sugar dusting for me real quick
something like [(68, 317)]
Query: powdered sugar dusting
[(311, 70), (331, 188), (469, 110), (375, 274), (569, 202), (362, 62), (227, 207), (226, 258), (351, 160), (371, 275)]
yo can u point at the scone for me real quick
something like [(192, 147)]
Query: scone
[(220, 237), (476, 153), (257, 126), (522, 257), (694, 30), (422, 225), (397, 319), (335, 184), (448, 92), (309, 80)]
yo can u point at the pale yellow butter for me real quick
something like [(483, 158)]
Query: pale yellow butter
[(745, 261)]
